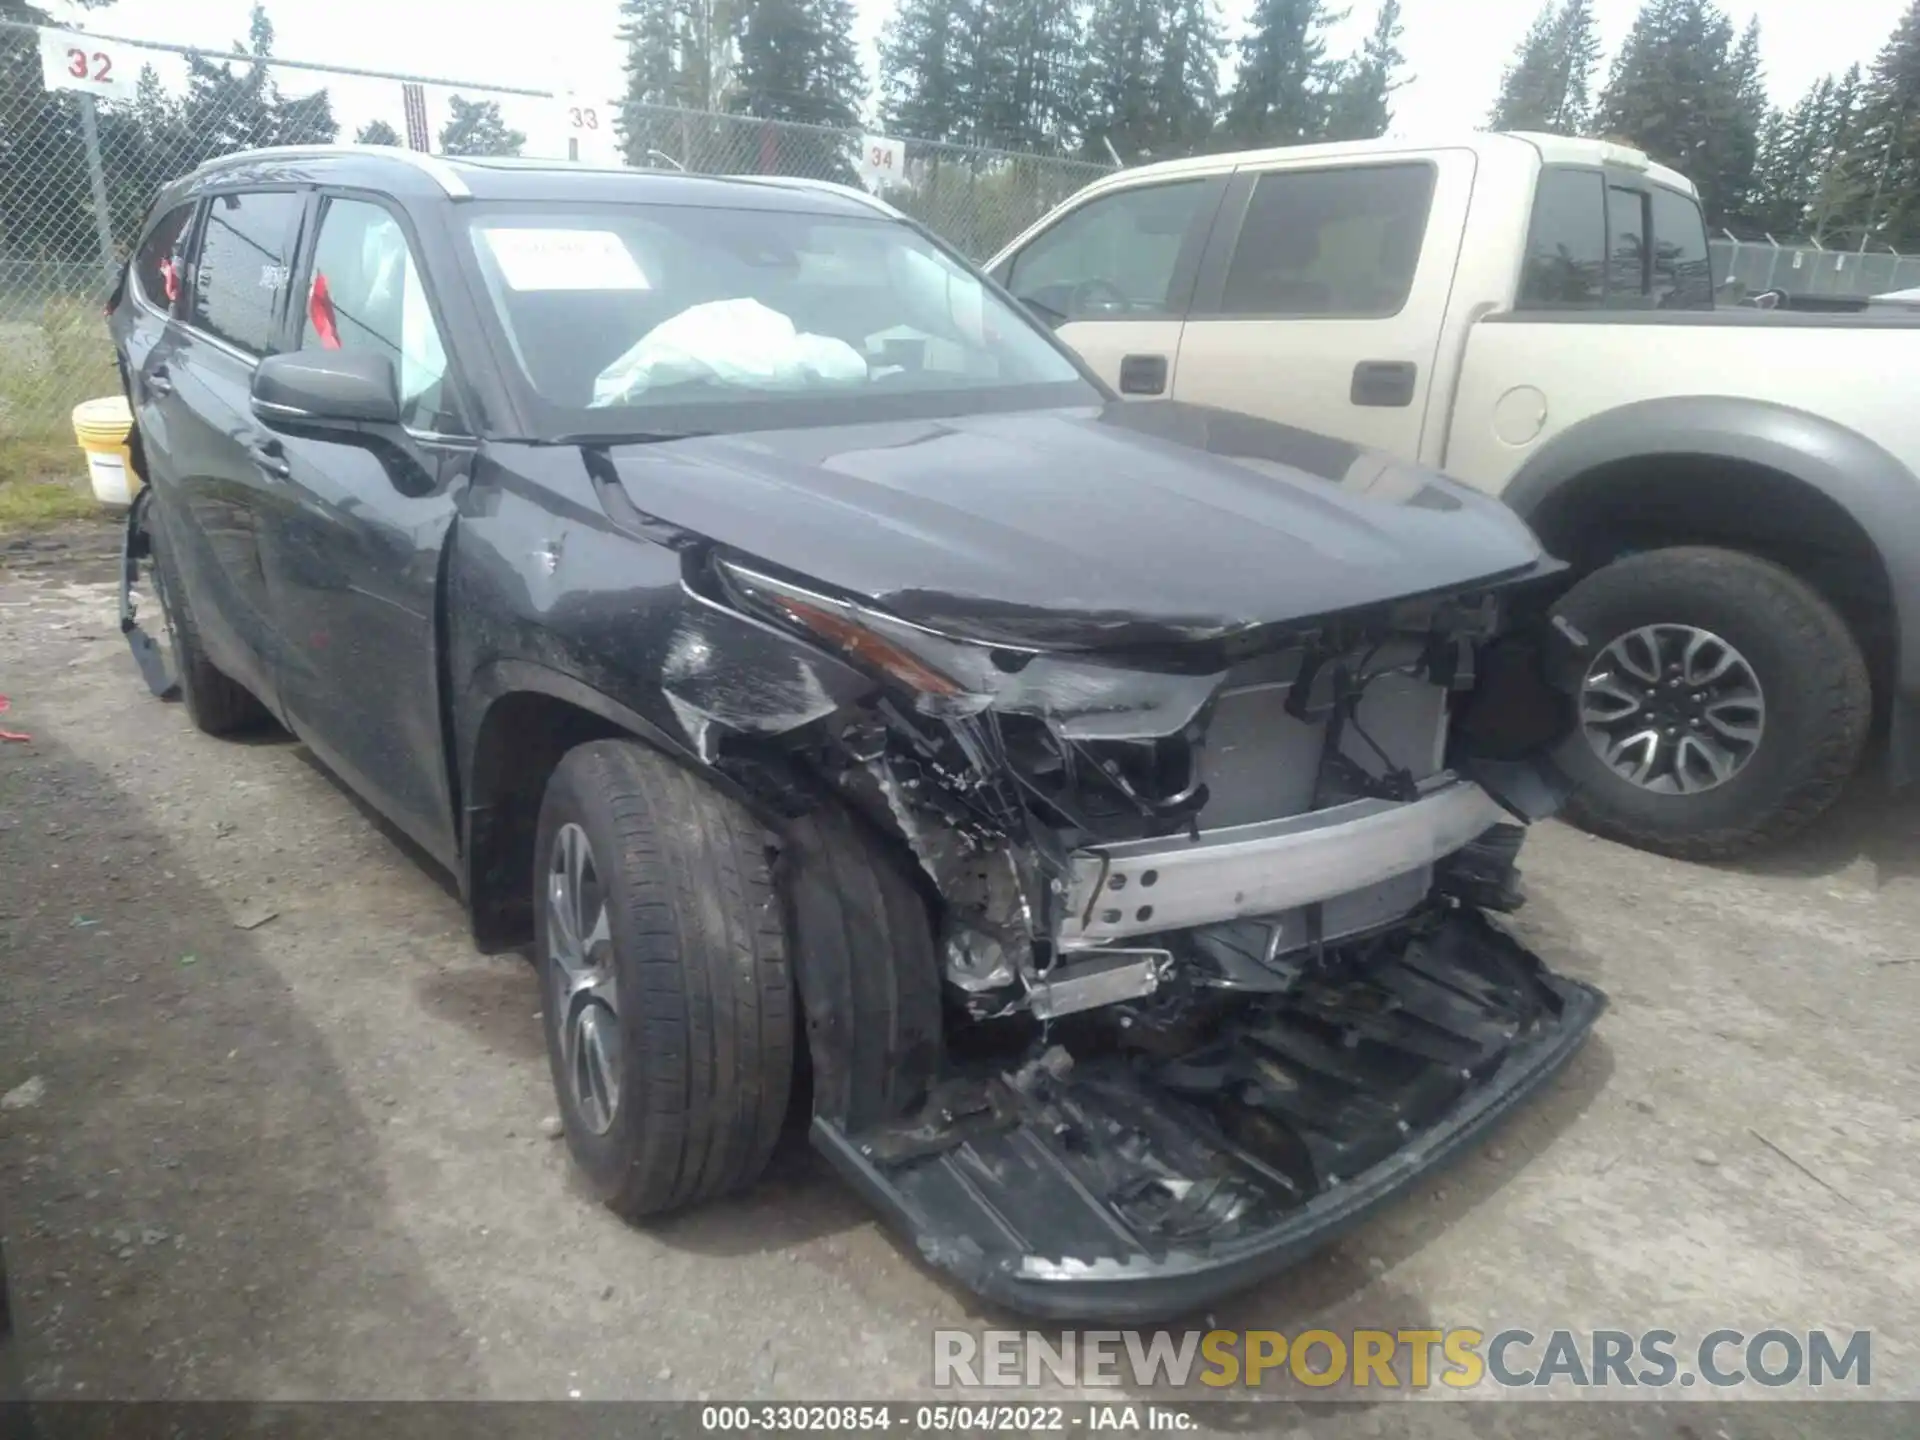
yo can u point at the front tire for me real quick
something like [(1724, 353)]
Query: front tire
[(1724, 707), (666, 995)]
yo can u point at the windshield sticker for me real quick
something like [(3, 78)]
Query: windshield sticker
[(564, 260)]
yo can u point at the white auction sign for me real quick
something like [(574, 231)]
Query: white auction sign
[(105, 69), (882, 161), (586, 128)]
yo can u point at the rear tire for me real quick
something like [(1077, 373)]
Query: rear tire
[(216, 703), (693, 1004), (1810, 674)]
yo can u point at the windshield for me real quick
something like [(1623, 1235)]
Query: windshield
[(664, 318)]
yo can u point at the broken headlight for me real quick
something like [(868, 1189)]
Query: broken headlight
[(1085, 697), (948, 677)]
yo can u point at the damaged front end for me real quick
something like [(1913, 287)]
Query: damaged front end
[(1210, 914)]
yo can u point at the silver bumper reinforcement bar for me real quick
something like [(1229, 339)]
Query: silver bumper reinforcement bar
[(1171, 883)]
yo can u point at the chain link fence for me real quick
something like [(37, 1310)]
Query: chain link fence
[(78, 171), (1750, 266)]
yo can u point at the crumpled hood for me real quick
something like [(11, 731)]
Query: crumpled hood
[(1085, 527)]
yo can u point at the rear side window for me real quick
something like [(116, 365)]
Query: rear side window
[(1330, 242), (1682, 267), (158, 267), (1112, 258), (246, 251), (1566, 243), (1628, 278)]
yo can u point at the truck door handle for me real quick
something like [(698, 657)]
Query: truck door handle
[(1387, 383), (271, 456), (1143, 374), (158, 383)]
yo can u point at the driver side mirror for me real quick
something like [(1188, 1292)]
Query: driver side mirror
[(319, 390)]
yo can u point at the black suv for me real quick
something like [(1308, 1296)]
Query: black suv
[(1087, 808)]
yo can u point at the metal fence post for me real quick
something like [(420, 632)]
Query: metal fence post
[(97, 176)]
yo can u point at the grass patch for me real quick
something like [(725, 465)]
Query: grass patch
[(43, 482), (26, 505)]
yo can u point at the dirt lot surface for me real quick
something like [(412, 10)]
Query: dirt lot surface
[(282, 1132)]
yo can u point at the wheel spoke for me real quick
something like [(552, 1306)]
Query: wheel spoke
[(585, 995), (1618, 700), (1706, 658), (1718, 762), (1737, 720), (1638, 652), (563, 943), (1646, 743), (1672, 708)]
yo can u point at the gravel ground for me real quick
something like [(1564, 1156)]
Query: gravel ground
[(276, 1130)]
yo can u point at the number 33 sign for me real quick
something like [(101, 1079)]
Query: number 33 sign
[(102, 68)]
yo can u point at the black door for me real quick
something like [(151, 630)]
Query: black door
[(352, 541), (199, 379)]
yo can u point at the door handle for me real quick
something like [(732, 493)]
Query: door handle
[(158, 383), (1387, 383), (271, 456), (1143, 374)]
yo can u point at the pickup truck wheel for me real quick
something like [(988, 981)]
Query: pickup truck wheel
[(1724, 707), (665, 989), (216, 703)]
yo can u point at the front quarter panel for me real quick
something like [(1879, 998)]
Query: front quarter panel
[(546, 593)]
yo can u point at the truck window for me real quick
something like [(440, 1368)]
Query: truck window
[(1330, 242), (1629, 285), (1112, 258), (1682, 267), (1566, 243)]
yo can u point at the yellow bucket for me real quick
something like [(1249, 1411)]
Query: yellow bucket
[(102, 426)]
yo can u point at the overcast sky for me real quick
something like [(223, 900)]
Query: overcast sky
[(1455, 49)]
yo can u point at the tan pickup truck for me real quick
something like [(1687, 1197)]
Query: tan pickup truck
[(1734, 488)]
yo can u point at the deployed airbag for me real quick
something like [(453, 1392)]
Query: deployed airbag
[(737, 342)]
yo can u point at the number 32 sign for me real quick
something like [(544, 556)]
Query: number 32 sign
[(103, 68)]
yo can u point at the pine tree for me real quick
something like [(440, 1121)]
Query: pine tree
[(1283, 88), (1737, 155), (1036, 105), (1879, 177), (1548, 84), (476, 128), (798, 61), (304, 120), (1151, 84), (919, 90), (376, 132), (1360, 109), (680, 70), (229, 109), (1186, 92), (1842, 176), (1675, 93)]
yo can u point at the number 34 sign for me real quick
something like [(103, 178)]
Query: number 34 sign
[(103, 68), (882, 161)]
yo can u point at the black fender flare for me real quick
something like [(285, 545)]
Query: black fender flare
[(1879, 492)]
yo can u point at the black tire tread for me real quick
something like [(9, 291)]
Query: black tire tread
[(1833, 670), (868, 970), (697, 917), (216, 702)]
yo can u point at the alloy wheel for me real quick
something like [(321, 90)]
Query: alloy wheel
[(1674, 709), (582, 986)]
